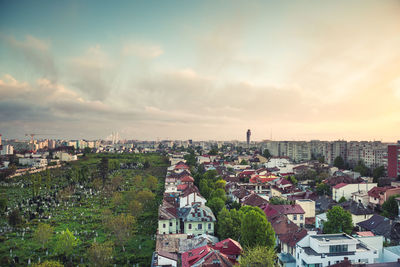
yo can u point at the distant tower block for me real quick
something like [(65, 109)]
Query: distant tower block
[(0, 139), (248, 137)]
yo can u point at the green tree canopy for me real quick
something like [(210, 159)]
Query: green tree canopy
[(216, 204), (339, 221), (362, 169), (48, 264), (339, 162), (323, 189), (229, 224), (266, 153), (100, 254), (43, 233), (390, 207), (219, 193), (258, 256), (246, 209), (378, 172), (342, 199), (256, 230), (66, 242)]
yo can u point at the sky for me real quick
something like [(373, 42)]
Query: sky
[(201, 70)]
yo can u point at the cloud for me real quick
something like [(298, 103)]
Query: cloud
[(144, 51), (35, 52)]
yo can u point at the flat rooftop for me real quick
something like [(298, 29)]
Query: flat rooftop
[(334, 237)]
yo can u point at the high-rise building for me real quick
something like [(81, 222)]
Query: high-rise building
[(248, 137), (0, 139), (393, 160)]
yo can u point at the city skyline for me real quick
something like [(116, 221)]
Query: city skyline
[(201, 70)]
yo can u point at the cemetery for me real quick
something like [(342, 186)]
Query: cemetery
[(100, 210)]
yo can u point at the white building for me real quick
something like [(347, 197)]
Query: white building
[(324, 250), (346, 190), (7, 150)]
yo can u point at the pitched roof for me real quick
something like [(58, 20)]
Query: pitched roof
[(168, 255), (254, 200), (284, 209), (189, 190), (377, 191), (229, 247), (187, 179), (378, 225), (197, 213), (167, 211), (241, 192), (339, 185), (356, 208)]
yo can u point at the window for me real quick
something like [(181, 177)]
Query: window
[(163, 225), (200, 226), (170, 223), (338, 248), (294, 217), (301, 217), (190, 226), (209, 226)]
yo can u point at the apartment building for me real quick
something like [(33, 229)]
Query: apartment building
[(325, 250)]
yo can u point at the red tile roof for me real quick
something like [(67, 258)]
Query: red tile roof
[(187, 179), (283, 209), (376, 191), (254, 200), (339, 185)]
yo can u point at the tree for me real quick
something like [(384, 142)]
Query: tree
[(14, 219), (258, 256), (48, 264), (87, 150), (103, 168), (361, 168), (3, 203), (323, 189), (216, 204), (116, 182), (338, 221), (100, 254), (123, 226), (243, 162), (151, 183), (137, 182), (43, 233), (246, 209), (220, 184), (190, 158), (378, 172), (145, 197), (66, 243), (342, 199), (219, 193), (339, 162), (135, 207), (266, 153), (229, 223), (205, 190), (116, 199), (256, 230), (390, 207)]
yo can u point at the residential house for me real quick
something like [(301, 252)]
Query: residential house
[(239, 194), (254, 200), (294, 212), (379, 225), (345, 190), (328, 249), (163, 258), (308, 206), (287, 235), (168, 220), (197, 219), (378, 195), (191, 195), (358, 211), (223, 253)]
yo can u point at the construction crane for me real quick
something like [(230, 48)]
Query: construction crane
[(33, 135)]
